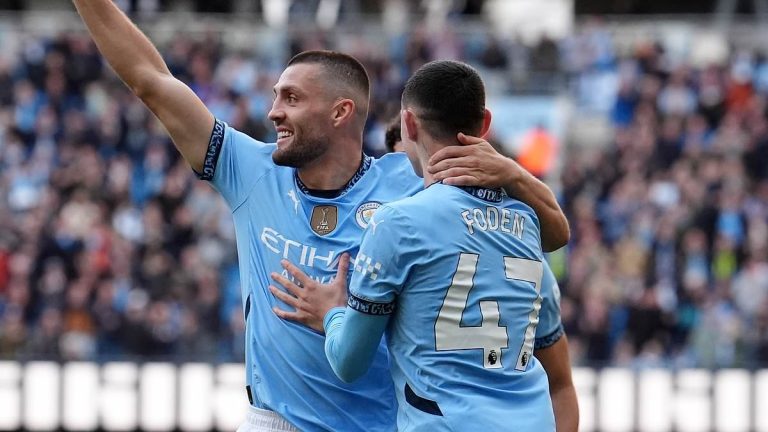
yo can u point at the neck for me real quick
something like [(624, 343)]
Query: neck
[(330, 172), (427, 148), (428, 178)]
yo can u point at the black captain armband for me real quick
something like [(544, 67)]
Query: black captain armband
[(369, 307), (213, 151)]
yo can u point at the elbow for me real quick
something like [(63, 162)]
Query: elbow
[(558, 238), (561, 386), (147, 85), (143, 91), (347, 366), (561, 242), (347, 372)]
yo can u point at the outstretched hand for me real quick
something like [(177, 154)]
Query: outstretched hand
[(311, 299), (474, 163)]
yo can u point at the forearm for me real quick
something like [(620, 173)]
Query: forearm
[(140, 66), (556, 362), (566, 408), (555, 231), (133, 57), (351, 340)]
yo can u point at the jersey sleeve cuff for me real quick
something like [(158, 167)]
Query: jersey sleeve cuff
[(550, 339), (331, 315), (212, 153)]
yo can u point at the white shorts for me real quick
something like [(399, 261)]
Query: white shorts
[(259, 420)]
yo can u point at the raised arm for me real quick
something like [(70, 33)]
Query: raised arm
[(477, 163), (138, 63)]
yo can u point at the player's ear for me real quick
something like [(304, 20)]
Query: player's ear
[(486, 123), (409, 125), (343, 111)]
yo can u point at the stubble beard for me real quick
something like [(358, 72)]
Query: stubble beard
[(301, 152)]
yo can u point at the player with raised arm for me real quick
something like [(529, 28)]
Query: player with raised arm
[(306, 198), (454, 276)]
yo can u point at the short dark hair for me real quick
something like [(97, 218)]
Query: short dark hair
[(448, 96), (343, 69), (392, 135)]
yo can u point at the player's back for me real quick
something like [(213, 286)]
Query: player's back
[(461, 337)]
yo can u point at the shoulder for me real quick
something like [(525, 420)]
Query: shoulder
[(399, 216), (246, 142), (411, 212), (397, 166), (521, 207)]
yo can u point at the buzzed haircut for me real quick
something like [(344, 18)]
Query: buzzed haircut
[(448, 97), (343, 70)]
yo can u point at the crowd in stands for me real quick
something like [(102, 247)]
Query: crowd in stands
[(110, 248), (668, 263)]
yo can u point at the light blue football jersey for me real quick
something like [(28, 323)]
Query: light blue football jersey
[(460, 271), (275, 219)]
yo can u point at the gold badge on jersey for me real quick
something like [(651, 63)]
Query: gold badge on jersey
[(324, 219)]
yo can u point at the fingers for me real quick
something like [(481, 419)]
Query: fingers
[(300, 315), (297, 274), (288, 299), (341, 273), (291, 316), (462, 180), (449, 152), (469, 139), (288, 284), (450, 163), (446, 176)]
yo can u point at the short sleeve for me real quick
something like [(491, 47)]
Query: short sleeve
[(234, 161), (383, 263), (550, 328)]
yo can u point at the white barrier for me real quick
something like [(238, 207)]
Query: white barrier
[(43, 396)]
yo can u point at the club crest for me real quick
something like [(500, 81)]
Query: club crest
[(365, 212), (324, 219)]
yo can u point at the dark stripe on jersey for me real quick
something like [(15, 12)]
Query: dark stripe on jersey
[(247, 306), (550, 339), (250, 394), (369, 307), (420, 403), (214, 149)]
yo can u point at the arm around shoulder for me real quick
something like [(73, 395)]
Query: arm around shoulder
[(477, 163), (522, 185)]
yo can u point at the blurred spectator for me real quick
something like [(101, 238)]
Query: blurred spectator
[(392, 138)]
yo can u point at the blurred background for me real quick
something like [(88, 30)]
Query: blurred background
[(648, 118)]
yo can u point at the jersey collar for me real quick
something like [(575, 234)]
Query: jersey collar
[(365, 164)]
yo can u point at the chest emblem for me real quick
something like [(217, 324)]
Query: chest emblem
[(365, 212), (324, 219)]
